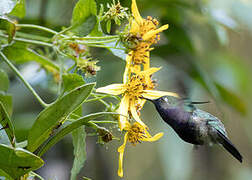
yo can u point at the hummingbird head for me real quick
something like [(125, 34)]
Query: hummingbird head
[(164, 100), (166, 107)]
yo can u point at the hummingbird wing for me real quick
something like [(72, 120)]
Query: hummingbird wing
[(187, 105), (210, 120), (194, 102), (208, 124), (217, 124)]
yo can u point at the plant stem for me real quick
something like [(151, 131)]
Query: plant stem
[(65, 30), (33, 37), (107, 95), (95, 99), (97, 122), (102, 37), (95, 42), (90, 38), (36, 175), (33, 42), (102, 101), (47, 61), (29, 41), (103, 46), (22, 79), (37, 27), (70, 68)]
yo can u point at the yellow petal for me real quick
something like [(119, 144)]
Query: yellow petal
[(135, 115), (114, 89), (154, 138), (135, 69), (142, 102), (146, 65), (153, 94), (152, 33), (136, 13), (134, 27), (123, 109), (150, 71), (127, 67), (121, 152)]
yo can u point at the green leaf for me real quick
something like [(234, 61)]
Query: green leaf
[(82, 10), (19, 54), (108, 26), (4, 81), (6, 6), (9, 26), (17, 161), (71, 127), (19, 9), (84, 16), (7, 124), (79, 143), (4, 175), (71, 81), (6, 105), (97, 30), (57, 112), (6, 100), (87, 27)]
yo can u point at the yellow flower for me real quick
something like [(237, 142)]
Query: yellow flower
[(146, 30), (139, 85), (135, 134)]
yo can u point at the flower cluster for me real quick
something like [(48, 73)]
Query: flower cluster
[(137, 82), (116, 12)]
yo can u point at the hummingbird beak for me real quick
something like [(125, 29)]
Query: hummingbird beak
[(147, 99)]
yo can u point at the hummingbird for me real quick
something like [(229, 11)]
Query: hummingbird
[(193, 125)]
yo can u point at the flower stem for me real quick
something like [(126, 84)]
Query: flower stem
[(96, 42), (33, 37), (91, 38), (95, 99), (6, 60), (33, 42), (100, 99), (37, 27), (97, 122), (29, 41), (103, 46), (36, 175), (70, 68)]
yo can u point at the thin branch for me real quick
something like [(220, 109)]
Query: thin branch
[(29, 87)]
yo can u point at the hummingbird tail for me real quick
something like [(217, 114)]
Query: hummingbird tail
[(226, 143)]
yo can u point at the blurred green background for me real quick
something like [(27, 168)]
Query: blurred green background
[(205, 55)]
